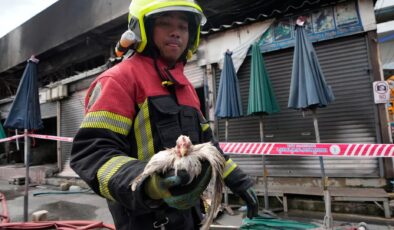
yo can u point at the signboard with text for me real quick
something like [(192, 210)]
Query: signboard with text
[(381, 92)]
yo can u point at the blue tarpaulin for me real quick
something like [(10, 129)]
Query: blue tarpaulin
[(25, 109)]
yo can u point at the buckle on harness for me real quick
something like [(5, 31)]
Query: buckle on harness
[(160, 223), (167, 83)]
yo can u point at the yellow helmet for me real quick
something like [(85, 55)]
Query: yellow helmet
[(140, 9)]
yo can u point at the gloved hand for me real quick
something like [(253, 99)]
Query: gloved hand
[(252, 203), (175, 191), (156, 186), (241, 185)]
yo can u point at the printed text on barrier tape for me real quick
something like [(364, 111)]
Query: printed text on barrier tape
[(309, 149), (280, 149)]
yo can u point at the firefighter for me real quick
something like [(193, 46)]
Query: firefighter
[(139, 107)]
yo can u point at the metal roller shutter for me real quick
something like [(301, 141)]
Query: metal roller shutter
[(350, 119), (48, 110), (195, 74), (72, 111)]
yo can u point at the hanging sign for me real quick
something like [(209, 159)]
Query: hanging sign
[(381, 92)]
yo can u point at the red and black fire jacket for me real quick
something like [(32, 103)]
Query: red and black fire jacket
[(129, 116)]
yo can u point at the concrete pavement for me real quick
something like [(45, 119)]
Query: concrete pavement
[(78, 206), (89, 206)]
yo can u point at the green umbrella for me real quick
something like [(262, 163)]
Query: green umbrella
[(2, 134), (261, 95), (261, 100)]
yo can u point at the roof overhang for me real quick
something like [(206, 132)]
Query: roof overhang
[(58, 24)]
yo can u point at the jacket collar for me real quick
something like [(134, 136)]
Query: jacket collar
[(176, 72)]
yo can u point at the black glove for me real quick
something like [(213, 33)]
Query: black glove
[(252, 203), (175, 191), (185, 196), (241, 185)]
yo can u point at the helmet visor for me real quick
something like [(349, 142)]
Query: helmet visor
[(201, 19)]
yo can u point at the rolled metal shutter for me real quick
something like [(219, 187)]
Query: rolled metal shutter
[(350, 119), (195, 74), (48, 110), (72, 111)]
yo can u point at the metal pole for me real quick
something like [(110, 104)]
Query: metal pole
[(27, 162), (317, 134), (17, 140), (58, 143), (225, 139), (226, 131), (265, 172), (328, 220)]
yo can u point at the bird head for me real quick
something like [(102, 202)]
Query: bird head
[(183, 145)]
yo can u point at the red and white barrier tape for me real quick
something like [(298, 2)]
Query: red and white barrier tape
[(54, 138), (279, 149), (309, 149), (47, 137), (11, 138)]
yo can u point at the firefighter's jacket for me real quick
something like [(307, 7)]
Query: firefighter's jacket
[(129, 116)]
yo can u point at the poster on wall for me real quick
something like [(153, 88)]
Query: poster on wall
[(282, 30), (346, 15), (322, 24), (323, 20)]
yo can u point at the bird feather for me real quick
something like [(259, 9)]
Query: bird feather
[(168, 159)]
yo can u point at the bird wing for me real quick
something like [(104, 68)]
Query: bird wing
[(207, 151), (159, 163)]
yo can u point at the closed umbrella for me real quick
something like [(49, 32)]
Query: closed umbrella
[(261, 101), (309, 90), (25, 114), (2, 133), (228, 103)]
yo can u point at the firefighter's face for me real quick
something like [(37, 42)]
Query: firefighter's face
[(171, 35)]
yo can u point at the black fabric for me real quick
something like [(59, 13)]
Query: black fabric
[(119, 214), (238, 181), (241, 185), (169, 120), (252, 203), (131, 210), (92, 148), (177, 220)]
